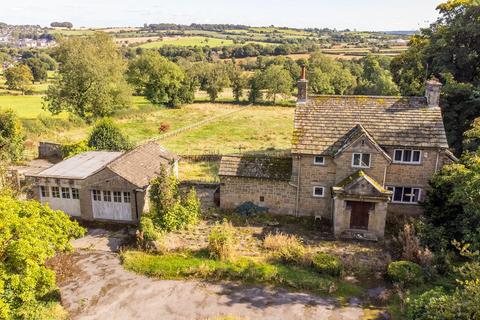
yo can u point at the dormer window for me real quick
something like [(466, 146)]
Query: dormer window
[(319, 160), (407, 156), (361, 160)]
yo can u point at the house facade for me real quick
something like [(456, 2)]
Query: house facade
[(354, 160), (100, 185)]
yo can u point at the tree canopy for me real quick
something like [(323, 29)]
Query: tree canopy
[(12, 137), (448, 49), (18, 77), (91, 78), (30, 233), (106, 135), (160, 80)]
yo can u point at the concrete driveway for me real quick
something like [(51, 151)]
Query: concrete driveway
[(102, 289)]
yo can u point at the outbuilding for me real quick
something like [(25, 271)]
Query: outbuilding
[(102, 185)]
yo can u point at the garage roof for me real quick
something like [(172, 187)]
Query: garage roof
[(81, 165)]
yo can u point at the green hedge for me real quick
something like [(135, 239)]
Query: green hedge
[(327, 264), (405, 272)]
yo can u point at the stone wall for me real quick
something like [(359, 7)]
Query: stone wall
[(278, 196)]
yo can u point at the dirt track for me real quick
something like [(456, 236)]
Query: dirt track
[(104, 290)]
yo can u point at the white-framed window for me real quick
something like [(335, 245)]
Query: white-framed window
[(319, 160), (117, 196), (97, 195), (44, 192), (107, 196), (75, 193), (55, 192), (65, 193), (405, 194), (361, 160), (126, 197), (318, 192), (407, 156)]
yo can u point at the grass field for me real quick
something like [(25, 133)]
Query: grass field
[(188, 41)]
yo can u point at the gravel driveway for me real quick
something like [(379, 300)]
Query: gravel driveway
[(102, 289)]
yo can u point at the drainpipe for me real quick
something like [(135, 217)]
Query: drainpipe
[(298, 186), (436, 162)]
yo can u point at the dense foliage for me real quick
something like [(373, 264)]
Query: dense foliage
[(91, 78), (452, 207), (168, 209), (106, 135), (18, 77), (12, 137), (405, 272), (449, 50), (30, 233), (160, 80), (221, 241), (327, 264)]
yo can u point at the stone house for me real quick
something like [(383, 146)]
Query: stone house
[(101, 185), (354, 160)]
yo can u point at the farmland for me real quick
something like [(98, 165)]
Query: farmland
[(187, 41)]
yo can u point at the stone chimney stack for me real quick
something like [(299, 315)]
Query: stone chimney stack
[(433, 87), (302, 87)]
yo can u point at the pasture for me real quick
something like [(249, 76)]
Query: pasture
[(187, 41)]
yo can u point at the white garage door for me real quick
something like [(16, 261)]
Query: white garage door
[(61, 198), (111, 205)]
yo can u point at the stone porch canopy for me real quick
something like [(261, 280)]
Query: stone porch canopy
[(361, 187)]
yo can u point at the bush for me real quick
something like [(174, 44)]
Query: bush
[(170, 211), (405, 272), (164, 127), (72, 149), (428, 305), (285, 248), (106, 135), (147, 234), (221, 241), (327, 264)]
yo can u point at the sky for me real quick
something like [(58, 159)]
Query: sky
[(366, 15)]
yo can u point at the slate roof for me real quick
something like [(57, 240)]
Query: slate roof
[(322, 123), (143, 163), (80, 166), (259, 167)]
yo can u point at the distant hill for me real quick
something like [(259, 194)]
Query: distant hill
[(402, 33)]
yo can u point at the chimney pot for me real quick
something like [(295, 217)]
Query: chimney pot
[(302, 87), (433, 88)]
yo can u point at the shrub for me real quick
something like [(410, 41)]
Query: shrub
[(405, 272), (69, 150), (428, 305), (106, 135), (285, 248), (327, 264), (221, 241), (147, 234), (412, 250), (164, 127), (169, 211)]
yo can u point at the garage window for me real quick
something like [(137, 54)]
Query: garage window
[(126, 197), (56, 192), (117, 196), (66, 193), (97, 195), (107, 196), (44, 192), (75, 193)]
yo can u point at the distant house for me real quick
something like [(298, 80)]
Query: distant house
[(100, 185), (355, 160)]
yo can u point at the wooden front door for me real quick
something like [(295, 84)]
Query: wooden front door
[(359, 215)]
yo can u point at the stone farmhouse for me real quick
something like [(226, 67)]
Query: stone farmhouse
[(100, 185), (354, 160)]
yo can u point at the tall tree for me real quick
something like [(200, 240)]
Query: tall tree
[(375, 80), (38, 68), (91, 80), (277, 81), (238, 81), (213, 78), (160, 80), (19, 78), (327, 76), (448, 49), (12, 137)]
